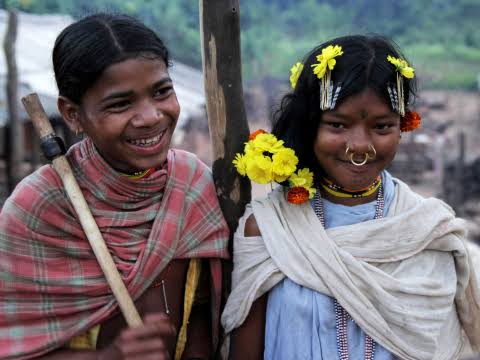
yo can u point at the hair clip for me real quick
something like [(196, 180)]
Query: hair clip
[(403, 70), (392, 92)]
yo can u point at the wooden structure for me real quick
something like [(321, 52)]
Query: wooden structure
[(220, 35)]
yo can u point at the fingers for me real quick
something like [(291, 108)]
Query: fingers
[(147, 341), (154, 324)]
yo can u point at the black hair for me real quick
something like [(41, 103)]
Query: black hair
[(84, 49), (363, 65)]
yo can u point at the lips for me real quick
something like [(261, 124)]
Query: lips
[(356, 169), (144, 142)]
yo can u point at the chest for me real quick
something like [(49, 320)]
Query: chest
[(155, 299)]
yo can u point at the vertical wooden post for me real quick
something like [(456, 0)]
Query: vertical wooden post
[(15, 154), (220, 37), (222, 72)]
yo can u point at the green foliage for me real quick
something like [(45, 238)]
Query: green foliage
[(440, 37)]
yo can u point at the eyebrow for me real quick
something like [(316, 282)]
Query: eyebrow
[(348, 117), (124, 94)]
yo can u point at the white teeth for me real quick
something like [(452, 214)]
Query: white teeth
[(146, 142)]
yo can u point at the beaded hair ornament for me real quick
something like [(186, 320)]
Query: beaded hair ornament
[(410, 119)]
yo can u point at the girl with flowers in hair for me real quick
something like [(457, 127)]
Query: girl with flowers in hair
[(344, 261)]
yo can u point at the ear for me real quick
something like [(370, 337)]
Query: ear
[(70, 113)]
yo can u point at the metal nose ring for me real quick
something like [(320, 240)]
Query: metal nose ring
[(358, 163), (370, 146)]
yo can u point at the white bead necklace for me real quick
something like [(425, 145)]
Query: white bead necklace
[(341, 315)]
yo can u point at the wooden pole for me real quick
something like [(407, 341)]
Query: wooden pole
[(62, 167), (222, 71), (15, 153)]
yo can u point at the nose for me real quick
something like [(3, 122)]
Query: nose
[(359, 141), (147, 114)]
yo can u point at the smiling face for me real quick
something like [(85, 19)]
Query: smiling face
[(359, 122), (130, 114)]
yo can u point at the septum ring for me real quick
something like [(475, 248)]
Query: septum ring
[(367, 155), (358, 163)]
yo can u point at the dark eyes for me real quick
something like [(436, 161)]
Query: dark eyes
[(340, 125), (118, 105), (163, 91), (123, 104), (335, 125), (384, 126)]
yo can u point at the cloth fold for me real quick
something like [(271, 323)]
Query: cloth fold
[(51, 286), (406, 279)]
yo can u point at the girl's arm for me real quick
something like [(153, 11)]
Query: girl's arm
[(247, 341)]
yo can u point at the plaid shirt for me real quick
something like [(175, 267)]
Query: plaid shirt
[(51, 286)]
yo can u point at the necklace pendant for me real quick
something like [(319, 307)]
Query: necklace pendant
[(167, 310)]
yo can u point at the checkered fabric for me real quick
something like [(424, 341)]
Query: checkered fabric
[(51, 286)]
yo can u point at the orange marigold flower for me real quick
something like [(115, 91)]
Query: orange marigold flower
[(256, 133), (297, 195), (410, 121)]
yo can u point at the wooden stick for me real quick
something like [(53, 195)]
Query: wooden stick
[(44, 129)]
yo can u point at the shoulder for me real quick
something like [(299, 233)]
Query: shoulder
[(184, 164), (35, 198), (42, 183), (183, 157), (251, 226), (190, 179)]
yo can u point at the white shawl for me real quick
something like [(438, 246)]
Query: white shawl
[(406, 279)]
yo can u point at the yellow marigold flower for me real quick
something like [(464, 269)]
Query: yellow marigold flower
[(295, 71), (408, 72), (303, 178), (284, 164), (264, 142), (259, 169), (326, 60), (311, 192), (240, 163), (402, 67)]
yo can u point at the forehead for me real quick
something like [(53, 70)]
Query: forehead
[(135, 74), (364, 104)]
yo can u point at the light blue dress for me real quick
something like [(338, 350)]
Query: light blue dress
[(301, 322)]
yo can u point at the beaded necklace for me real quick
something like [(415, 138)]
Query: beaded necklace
[(341, 315), (335, 190), (139, 174)]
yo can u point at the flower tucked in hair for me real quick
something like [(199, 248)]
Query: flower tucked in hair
[(255, 133), (266, 159), (410, 121), (326, 59), (402, 67), (295, 71)]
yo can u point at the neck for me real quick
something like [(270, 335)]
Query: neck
[(348, 201), (336, 194)]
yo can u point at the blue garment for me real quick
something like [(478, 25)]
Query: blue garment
[(301, 322)]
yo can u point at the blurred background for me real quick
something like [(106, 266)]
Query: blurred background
[(439, 37)]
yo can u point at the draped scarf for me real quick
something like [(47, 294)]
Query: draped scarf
[(406, 279), (51, 286)]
